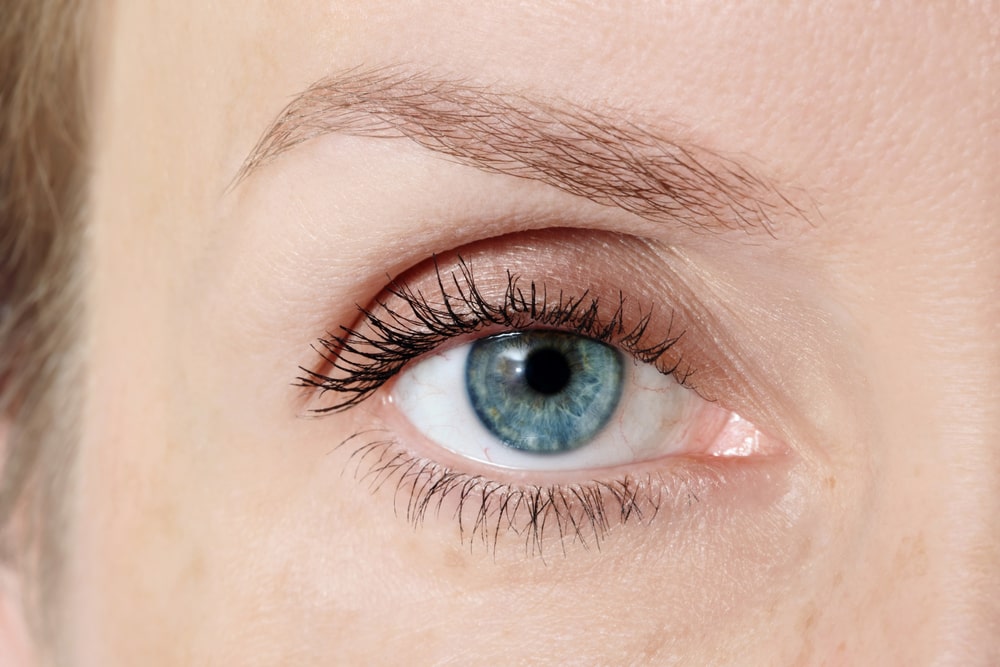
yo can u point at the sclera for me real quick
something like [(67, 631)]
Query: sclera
[(656, 417)]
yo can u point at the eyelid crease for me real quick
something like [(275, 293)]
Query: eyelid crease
[(597, 155), (363, 361)]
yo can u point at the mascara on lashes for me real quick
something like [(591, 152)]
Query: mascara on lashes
[(359, 360)]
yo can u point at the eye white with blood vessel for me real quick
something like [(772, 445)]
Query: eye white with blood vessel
[(561, 401)]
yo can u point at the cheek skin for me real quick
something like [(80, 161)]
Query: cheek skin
[(278, 566), (267, 544)]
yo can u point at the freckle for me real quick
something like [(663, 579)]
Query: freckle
[(806, 631), (454, 560), (831, 482), (194, 570), (810, 620), (911, 557)]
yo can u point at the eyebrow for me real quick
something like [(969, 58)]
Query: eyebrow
[(593, 153)]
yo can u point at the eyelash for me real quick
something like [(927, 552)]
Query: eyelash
[(580, 513), (357, 362), (368, 361)]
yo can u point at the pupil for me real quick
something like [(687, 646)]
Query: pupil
[(547, 371)]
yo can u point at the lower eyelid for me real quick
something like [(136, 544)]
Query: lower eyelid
[(737, 471), (536, 517)]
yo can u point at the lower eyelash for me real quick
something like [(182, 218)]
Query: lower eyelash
[(366, 361), (487, 511)]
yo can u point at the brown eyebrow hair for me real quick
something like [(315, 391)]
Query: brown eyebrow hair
[(599, 155)]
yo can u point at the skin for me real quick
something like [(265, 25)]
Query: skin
[(213, 524)]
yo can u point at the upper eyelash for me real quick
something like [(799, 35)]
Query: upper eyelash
[(366, 361)]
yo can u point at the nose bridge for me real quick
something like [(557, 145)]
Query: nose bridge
[(923, 584), (952, 498), (922, 580), (970, 624), (937, 473), (969, 413)]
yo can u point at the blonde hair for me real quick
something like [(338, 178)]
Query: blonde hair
[(42, 192)]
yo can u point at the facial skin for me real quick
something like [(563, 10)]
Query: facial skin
[(217, 522)]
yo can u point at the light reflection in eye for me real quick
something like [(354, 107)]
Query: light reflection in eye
[(589, 406)]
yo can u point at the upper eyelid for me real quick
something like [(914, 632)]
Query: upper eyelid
[(590, 153), (422, 325)]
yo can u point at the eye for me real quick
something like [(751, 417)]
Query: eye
[(552, 400), (539, 403)]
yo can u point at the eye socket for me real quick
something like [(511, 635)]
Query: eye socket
[(548, 400), (656, 445)]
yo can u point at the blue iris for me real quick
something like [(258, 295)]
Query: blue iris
[(544, 391)]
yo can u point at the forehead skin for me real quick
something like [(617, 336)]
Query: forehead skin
[(210, 527)]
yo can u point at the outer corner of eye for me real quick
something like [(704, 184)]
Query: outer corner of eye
[(321, 394), (536, 400)]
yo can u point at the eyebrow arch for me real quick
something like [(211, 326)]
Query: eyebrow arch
[(591, 153)]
